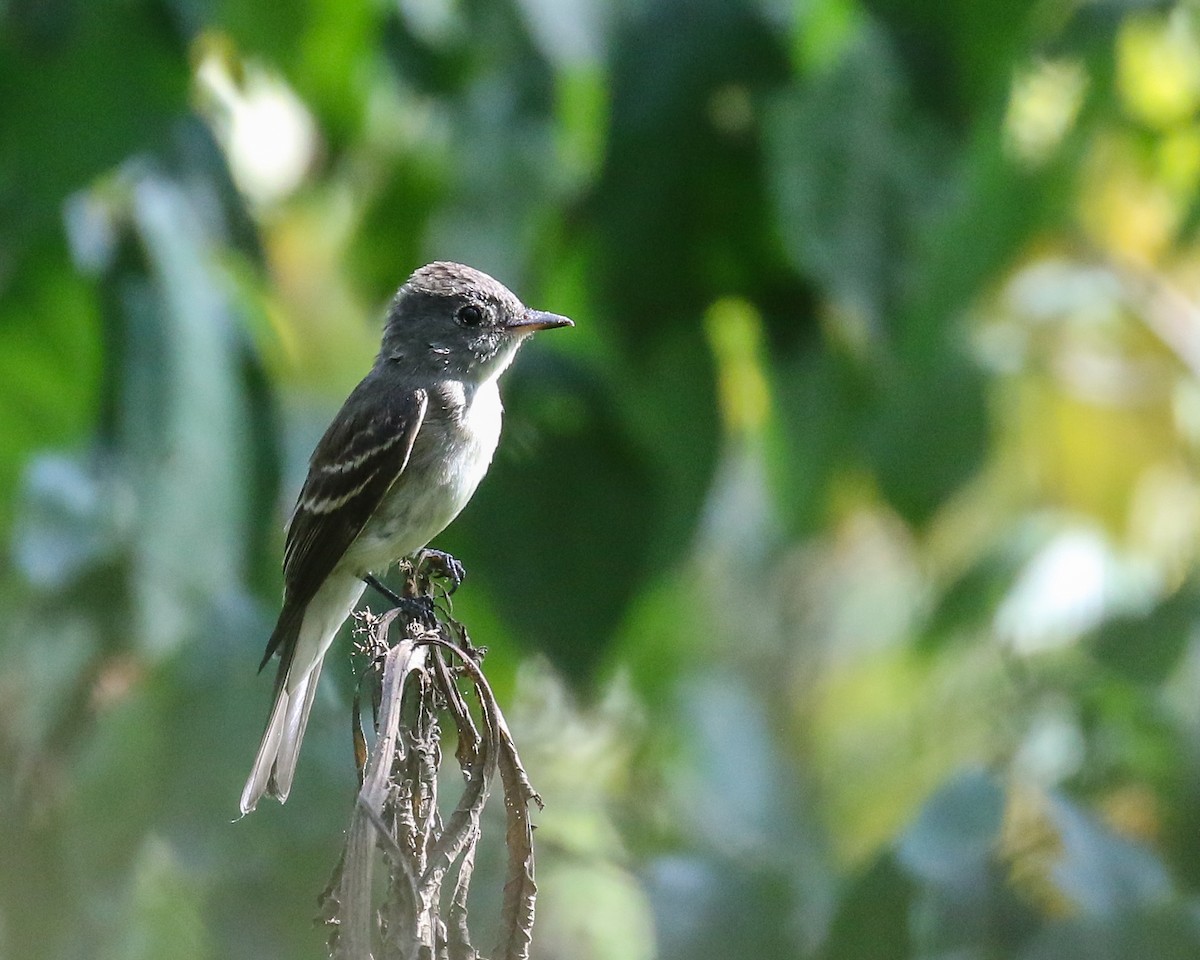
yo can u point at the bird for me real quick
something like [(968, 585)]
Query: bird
[(396, 465)]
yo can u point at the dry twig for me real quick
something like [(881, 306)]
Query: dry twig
[(420, 908)]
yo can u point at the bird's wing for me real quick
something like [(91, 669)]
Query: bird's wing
[(361, 455)]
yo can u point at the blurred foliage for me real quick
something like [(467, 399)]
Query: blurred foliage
[(839, 570)]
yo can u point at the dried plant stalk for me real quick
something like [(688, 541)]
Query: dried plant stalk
[(418, 908)]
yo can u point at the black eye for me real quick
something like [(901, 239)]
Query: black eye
[(470, 315)]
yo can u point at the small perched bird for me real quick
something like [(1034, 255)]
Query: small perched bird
[(397, 464)]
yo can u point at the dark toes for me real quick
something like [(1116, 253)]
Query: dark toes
[(440, 564)]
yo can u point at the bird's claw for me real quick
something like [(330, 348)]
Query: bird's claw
[(438, 563)]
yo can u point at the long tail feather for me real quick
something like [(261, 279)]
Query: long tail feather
[(264, 761), (296, 685), (300, 703)]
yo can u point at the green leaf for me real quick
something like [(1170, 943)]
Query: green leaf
[(184, 428), (872, 917), (1167, 933), (961, 905), (82, 90), (969, 602), (50, 365), (1100, 872), (1145, 648), (813, 434), (846, 177), (958, 55), (952, 839), (929, 434), (680, 213)]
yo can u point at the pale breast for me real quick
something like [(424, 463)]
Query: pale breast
[(450, 456)]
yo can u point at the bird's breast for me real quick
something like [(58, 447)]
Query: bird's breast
[(450, 456)]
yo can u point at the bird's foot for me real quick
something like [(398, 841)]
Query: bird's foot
[(383, 589), (439, 564), (416, 608)]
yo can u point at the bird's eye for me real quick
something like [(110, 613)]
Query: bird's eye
[(470, 315)]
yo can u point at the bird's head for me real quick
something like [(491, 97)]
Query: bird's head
[(450, 319)]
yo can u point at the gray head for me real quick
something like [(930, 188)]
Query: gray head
[(450, 319)]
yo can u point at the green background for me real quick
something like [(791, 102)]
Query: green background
[(839, 571)]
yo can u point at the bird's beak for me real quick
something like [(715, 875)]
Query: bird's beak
[(532, 320)]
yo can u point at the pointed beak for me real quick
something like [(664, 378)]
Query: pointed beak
[(533, 320)]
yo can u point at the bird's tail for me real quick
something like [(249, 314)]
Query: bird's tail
[(275, 762), (300, 664)]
